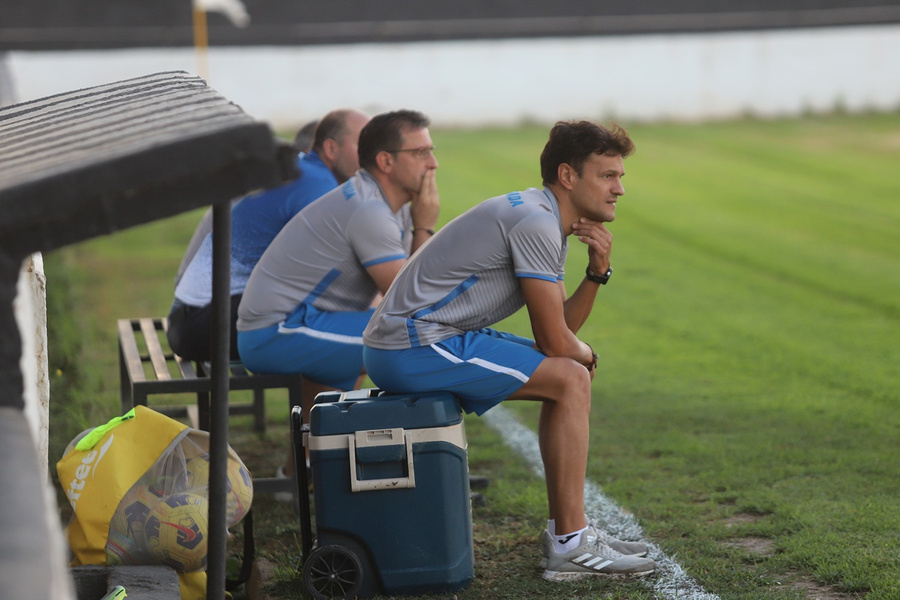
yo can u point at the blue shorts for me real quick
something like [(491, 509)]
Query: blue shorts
[(324, 346), (482, 368)]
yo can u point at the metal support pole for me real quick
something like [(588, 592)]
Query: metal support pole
[(218, 410)]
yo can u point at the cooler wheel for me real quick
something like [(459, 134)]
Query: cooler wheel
[(332, 572)]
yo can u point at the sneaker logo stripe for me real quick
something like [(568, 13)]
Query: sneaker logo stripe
[(582, 558), (593, 561), (603, 564)]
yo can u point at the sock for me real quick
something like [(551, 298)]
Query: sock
[(567, 542), (551, 526)]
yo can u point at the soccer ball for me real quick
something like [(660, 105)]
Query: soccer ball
[(176, 532), (126, 542), (240, 492), (167, 477), (132, 512), (197, 473), (239, 486)]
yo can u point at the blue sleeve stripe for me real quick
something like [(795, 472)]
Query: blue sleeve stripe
[(378, 261), (538, 276)]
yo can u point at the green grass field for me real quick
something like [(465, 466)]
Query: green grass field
[(745, 408)]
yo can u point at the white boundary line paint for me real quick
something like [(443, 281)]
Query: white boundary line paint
[(670, 581)]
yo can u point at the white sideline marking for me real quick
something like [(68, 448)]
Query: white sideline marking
[(670, 581)]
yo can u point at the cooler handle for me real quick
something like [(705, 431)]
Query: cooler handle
[(381, 437)]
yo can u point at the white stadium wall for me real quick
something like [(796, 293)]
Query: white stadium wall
[(507, 82)]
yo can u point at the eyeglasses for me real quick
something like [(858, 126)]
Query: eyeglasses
[(423, 152)]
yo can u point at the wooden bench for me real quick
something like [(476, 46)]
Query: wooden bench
[(147, 366)]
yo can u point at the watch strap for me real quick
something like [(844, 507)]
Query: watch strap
[(601, 279)]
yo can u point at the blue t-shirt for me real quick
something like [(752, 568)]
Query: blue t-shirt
[(255, 221)]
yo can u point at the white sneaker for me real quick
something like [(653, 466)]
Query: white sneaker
[(593, 557), (620, 546)]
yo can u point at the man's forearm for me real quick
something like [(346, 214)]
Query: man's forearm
[(577, 308)]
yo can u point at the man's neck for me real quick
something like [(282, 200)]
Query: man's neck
[(394, 196), (567, 214)]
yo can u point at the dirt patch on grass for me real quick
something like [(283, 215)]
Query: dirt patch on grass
[(743, 519), (757, 546), (817, 591)]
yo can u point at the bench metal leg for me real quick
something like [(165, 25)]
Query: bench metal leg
[(259, 410), (125, 391), (203, 410), (139, 398)]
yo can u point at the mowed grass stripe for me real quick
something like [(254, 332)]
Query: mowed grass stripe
[(724, 202)]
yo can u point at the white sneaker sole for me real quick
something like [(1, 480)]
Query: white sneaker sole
[(639, 555), (577, 575)]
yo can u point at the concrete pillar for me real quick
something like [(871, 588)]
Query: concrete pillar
[(30, 309)]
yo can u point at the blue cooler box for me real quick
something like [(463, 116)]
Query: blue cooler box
[(391, 485)]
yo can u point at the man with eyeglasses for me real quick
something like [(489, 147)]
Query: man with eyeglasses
[(310, 296), (255, 221)]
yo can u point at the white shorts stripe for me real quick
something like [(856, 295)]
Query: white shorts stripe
[(483, 363), (355, 340), (446, 354), (500, 369)]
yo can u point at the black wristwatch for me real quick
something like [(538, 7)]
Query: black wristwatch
[(601, 279)]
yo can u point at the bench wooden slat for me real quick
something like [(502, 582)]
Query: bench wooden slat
[(128, 344), (154, 349), (186, 368)]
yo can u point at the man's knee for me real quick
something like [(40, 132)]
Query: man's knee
[(563, 380)]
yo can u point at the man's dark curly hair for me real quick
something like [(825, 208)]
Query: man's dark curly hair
[(573, 142)]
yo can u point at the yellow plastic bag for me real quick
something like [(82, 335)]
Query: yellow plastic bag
[(138, 487)]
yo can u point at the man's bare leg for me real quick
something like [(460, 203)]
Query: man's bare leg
[(564, 387)]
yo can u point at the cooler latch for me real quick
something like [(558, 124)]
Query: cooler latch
[(382, 445)]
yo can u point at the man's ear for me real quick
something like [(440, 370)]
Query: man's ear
[(565, 174), (385, 161), (330, 149)]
